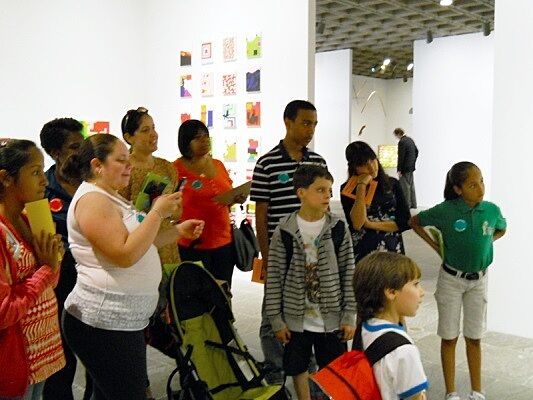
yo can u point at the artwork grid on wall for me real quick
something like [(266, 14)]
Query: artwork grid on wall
[(228, 49), (229, 114), (253, 47), (186, 85), (253, 80), (207, 84), (207, 53), (253, 114), (229, 84)]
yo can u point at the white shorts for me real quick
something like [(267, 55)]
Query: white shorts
[(454, 293)]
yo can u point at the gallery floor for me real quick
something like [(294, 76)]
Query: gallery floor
[(507, 360)]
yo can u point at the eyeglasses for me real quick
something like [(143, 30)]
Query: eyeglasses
[(139, 110)]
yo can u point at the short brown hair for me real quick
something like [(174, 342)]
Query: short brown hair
[(375, 273)]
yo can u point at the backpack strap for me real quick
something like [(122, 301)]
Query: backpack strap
[(286, 238), (385, 344), (337, 236)]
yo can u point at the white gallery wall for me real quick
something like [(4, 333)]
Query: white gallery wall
[(333, 100), (286, 61), (512, 274), (62, 58), (452, 109), (381, 112), (94, 60)]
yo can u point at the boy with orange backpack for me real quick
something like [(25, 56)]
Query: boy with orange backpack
[(387, 288)]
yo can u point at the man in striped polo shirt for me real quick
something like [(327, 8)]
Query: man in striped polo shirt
[(275, 197)]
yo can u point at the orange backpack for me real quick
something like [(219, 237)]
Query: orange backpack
[(350, 376)]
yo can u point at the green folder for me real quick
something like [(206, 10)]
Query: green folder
[(154, 185)]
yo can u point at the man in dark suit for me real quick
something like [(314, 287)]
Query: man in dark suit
[(407, 155)]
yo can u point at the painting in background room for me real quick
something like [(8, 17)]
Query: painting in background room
[(253, 114), (94, 128), (185, 58), (253, 149), (228, 49), (207, 53), (185, 117), (229, 114), (206, 115), (230, 153), (229, 84), (185, 85), (207, 84), (253, 47), (253, 81), (388, 155)]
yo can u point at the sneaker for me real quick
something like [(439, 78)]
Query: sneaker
[(476, 396), (452, 396)]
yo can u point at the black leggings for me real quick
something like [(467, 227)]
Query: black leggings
[(116, 360), (219, 261)]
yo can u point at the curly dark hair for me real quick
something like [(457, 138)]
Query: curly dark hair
[(291, 109), (55, 133), (306, 174)]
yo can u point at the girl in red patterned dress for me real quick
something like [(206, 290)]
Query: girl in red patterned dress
[(29, 328)]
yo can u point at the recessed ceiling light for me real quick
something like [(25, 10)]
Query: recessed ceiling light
[(386, 61), (410, 66), (446, 2)]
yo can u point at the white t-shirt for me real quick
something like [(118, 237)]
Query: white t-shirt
[(309, 231), (107, 296), (400, 373)]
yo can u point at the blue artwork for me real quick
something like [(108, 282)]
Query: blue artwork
[(253, 81)]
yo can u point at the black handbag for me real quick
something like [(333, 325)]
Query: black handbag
[(246, 246)]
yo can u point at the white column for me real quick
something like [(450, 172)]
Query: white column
[(511, 275)]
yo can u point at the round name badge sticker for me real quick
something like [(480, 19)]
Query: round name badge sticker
[(460, 225), (56, 204), (196, 184), (140, 217), (283, 177)]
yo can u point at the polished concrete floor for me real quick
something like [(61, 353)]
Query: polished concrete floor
[(507, 360)]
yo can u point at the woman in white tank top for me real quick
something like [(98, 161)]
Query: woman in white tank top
[(118, 269)]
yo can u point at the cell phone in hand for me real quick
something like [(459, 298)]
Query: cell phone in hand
[(180, 185)]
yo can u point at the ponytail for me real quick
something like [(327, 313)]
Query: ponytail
[(456, 176)]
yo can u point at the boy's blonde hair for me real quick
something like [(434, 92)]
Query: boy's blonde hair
[(375, 273)]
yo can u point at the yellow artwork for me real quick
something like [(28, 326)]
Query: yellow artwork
[(388, 155)]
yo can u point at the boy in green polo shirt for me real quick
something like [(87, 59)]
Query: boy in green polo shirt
[(468, 226)]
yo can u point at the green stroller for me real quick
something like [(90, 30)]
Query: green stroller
[(213, 362)]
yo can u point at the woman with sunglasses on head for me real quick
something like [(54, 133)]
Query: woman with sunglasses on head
[(138, 130), (206, 178), (119, 269)]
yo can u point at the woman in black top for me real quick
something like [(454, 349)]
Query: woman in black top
[(377, 226)]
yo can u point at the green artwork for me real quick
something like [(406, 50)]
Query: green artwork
[(253, 47), (388, 155)]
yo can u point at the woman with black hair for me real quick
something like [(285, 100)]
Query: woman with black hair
[(376, 222), (206, 178)]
